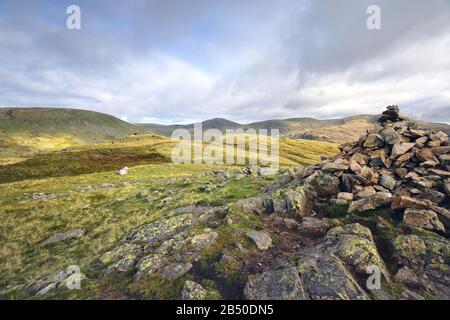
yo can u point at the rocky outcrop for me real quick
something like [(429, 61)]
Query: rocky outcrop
[(284, 284), (334, 269), (397, 166), (423, 263), (167, 247)]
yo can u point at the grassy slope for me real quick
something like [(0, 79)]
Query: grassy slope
[(106, 214), (136, 150), (24, 131)]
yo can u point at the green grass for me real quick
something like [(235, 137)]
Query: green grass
[(336, 211), (107, 215)]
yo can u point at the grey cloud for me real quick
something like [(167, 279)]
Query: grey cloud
[(185, 60)]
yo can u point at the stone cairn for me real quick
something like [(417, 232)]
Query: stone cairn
[(399, 165)]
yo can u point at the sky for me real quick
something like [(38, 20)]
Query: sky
[(168, 61)]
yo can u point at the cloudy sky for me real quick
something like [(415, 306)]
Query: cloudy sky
[(179, 61)]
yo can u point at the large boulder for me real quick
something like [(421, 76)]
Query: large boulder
[(326, 278), (259, 205), (323, 184), (284, 284)]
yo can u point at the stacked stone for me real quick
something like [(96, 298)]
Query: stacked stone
[(398, 165)]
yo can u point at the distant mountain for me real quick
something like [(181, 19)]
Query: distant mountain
[(333, 130), (166, 130), (26, 130), (87, 125)]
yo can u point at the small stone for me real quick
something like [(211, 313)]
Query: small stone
[(333, 167), (401, 172), (401, 202), (262, 239), (425, 183), (290, 223), (347, 196), (76, 233), (425, 154), (388, 181), (425, 219), (355, 167), (441, 150), (429, 164), (390, 136), (149, 265), (366, 193), (420, 143), (201, 241), (361, 205), (176, 270), (439, 136), (447, 186), (417, 132), (359, 158), (441, 173), (403, 158), (123, 171), (378, 159), (434, 144), (444, 159), (434, 196), (373, 140), (193, 291), (400, 149), (316, 227)]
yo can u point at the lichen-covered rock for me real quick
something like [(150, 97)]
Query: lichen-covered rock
[(427, 257), (193, 291), (204, 240), (51, 281), (161, 230), (328, 271), (325, 278), (122, 251), (150, 265), (175, 270), (298, 202), (125, 264), (283, 284), (159, 247), (354, 245)]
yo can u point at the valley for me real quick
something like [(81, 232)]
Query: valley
[(167, 231)]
